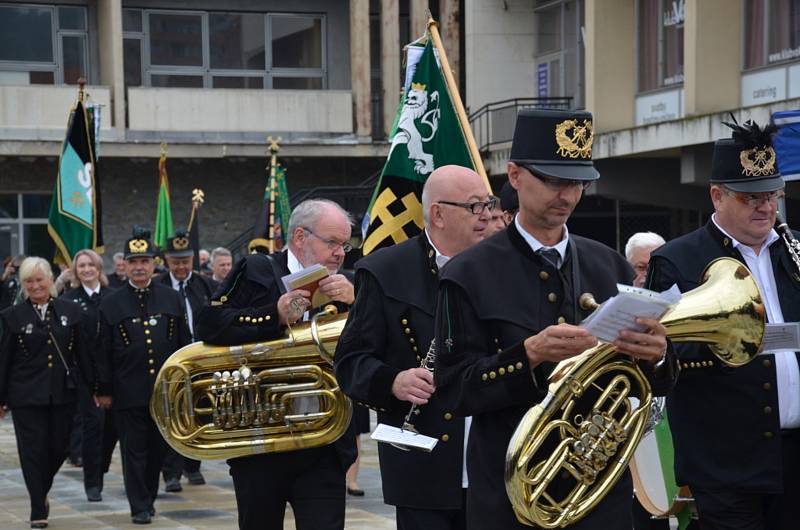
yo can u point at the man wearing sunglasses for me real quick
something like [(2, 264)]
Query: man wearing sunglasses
[(388, 333), (251, 306), (508, 312), (739, 451)]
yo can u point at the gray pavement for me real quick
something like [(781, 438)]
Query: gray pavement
[(208, 507)]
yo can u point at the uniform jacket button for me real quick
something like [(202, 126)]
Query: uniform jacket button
[(552, 297), (448, 416), (544, 275), (445, 437)]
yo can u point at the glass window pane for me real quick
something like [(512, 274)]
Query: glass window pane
[(9, 240), (43, 78), (132, 60), (296, 42), (176, 81), (237, 82), (754, 53), (9, 209), (649, 19), (784, 30), (132, 20), (35, 206), (26, 34), (548, 29), (38, 242), (237, 41), (673, 54), (176, 40), (297, 83), (71, 18), (74, 51)]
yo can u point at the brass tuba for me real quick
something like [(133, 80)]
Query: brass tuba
[(569, 450), (215, 402)]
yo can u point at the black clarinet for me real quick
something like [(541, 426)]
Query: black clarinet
[(792, 245)]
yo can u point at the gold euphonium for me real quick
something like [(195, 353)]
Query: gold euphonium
[(569, 450), (217, 402)]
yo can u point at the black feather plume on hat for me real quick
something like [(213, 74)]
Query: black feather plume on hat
[(750, 134), (141, 232)]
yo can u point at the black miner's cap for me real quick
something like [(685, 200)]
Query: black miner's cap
[(139, 245), (555, 143), (178, 246), (746, 162)]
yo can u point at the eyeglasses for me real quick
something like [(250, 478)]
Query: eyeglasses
[(332, 244), (476, 208), (557, 184), (754, 200)]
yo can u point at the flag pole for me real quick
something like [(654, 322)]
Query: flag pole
[(273, 161), (455, 97), (198, 198)]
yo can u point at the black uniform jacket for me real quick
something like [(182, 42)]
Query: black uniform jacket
[(115, 282), (199, 290), (89, 320), (491, 298), (139, 330), (31, 370), (725, 422), (388, 330), (245, 309)]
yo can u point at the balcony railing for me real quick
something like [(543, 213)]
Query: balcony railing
[(493, 124)]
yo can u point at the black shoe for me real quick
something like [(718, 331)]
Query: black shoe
[(93, 494), (76, 462), (355, 492), (38, 524), (142, 518), (172, 485), (152, 511), (196, 478)]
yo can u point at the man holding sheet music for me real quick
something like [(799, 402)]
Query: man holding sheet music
[(251, 306), (508, 312), (736, 431), (388, 334)]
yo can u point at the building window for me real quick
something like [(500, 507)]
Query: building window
[(772, 32), (660, 43), (23, 225), (43, 45), (559, 49), (195, 49)]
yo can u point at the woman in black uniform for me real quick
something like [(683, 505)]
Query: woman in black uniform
[(40, 348)]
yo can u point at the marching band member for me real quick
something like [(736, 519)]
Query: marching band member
[(388, 332), (508, 311)]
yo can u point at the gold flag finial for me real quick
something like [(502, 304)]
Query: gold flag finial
[(198, 197), (274, 144), (81, 88), (163, 148)]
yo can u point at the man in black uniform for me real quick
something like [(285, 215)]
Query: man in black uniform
[(739, 452), (141, 325), (195, 291), (502, 331), (388, 332), (251, 306), (117, 278), (9, 283)]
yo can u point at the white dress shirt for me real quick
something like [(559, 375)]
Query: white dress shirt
[(90, 292), (535, 244), (786, 369), (176, 285)]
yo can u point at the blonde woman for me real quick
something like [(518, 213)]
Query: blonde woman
[(40, 348)]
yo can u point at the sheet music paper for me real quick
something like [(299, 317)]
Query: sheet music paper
[(396, 435), (784, 336)]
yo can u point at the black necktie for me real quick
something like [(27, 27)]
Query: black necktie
[(550, 255), (182, 292), (94, 297)]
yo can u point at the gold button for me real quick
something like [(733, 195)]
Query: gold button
[(544, 275), (415, 348), (692, 364), (445, 437), (496, 340), (145, 323), (768, 434), (152, 371), (151, 361), (411, 340), (685, 365), (247, 319), (766, 363), (49, 365), (267, 317), (552, 297), (149, 341), (711, 363), (150, 351), (147, 332), (501, 371), (404, 321), (703, 363), (519, 366), (767, 409), (261, 319), (499, 350), (510, 368), (418, 358), (448, 416), (49, 341), (492, 375), (561, 320), (726, 241), (223, 299), (241, 319), (407, 331), (766, 386), (484, 377)]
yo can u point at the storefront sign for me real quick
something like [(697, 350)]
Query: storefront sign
[(542, 71), (764, 86), (675, 14), (661, 106)]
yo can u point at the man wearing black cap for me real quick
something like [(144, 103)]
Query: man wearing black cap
[(736, 430), (195, 291), (141, 325), (501, 335)]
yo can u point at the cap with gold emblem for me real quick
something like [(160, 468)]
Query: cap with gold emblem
[(178, 246), (746, 162), (555, 143), (139, 245)]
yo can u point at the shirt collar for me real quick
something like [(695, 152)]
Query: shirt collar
[(441, 259), (292, 263), (535, 244), (133, 286), (90, 292), (771, 237), (176, 283)]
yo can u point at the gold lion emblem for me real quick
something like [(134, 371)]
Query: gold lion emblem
[(758, 161), (180, 243), (574, 140), (137, 245)]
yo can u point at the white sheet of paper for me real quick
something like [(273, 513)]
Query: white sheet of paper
[(620, 311), (785, 336), (396, 435)]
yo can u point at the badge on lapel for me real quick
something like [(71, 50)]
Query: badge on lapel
[(29, 329), (64, 320)]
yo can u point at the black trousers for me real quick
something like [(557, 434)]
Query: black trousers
[(99, 438), (143, 451), (42, 443), (421, 519), (642, 520), (175, 465), (738, 510), (311, 480)]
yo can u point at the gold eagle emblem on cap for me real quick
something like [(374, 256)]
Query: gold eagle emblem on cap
[(574, 140), (180, 243), (137, 245), (758, 161)]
